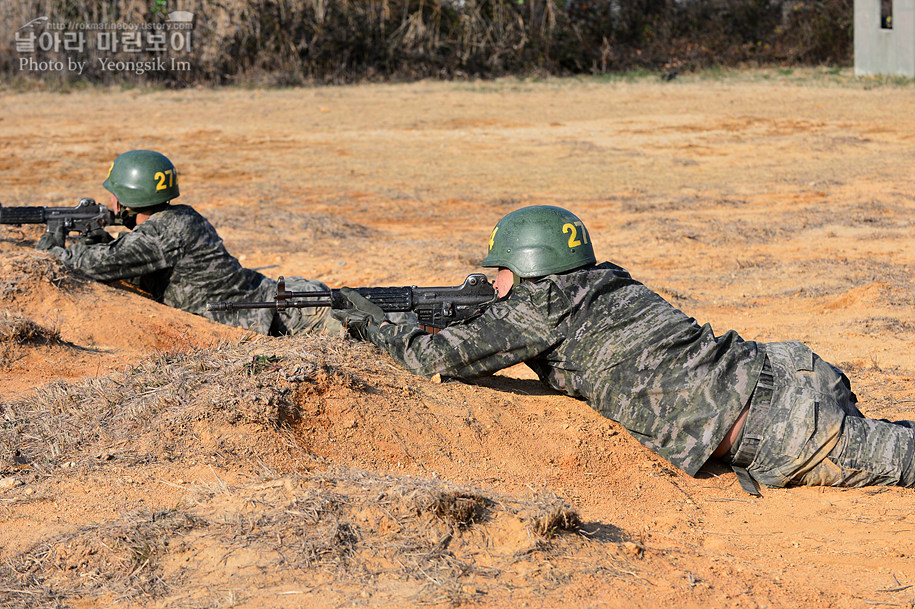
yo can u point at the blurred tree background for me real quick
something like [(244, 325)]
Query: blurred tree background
[(290, 42)]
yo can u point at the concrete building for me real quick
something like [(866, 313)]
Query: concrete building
[(885, 37)]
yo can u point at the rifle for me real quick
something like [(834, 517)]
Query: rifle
[(84, 218), (434, 307)]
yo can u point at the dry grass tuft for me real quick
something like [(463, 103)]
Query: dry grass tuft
[(459, 509), (554, 519), (18, 333), (22, 268), (19, 330)]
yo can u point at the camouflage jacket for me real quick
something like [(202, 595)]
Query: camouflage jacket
[(177, 256), (597, 333)]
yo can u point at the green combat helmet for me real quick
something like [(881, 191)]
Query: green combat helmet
[(539, 240), (142, 178)]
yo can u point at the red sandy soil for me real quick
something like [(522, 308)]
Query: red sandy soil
[(779, 204)]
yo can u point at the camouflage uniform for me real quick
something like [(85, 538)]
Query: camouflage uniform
[(809, 429), (598, 334), (177, 256)]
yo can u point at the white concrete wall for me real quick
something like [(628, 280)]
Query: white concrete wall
[(880, 51)]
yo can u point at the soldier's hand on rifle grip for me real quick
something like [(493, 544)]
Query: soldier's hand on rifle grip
[(364, 317), (98, 235), (58, 238)]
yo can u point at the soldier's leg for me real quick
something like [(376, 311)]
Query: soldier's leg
[(869, 452), (815, 434), (810, 401), (308, 319)]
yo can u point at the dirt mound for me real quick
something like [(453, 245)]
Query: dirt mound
[(57, 323), (254, 405)]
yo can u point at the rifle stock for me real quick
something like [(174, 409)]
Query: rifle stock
[(435, 307)]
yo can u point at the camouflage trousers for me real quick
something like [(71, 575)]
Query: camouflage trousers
[(308, 319), (814, 433)]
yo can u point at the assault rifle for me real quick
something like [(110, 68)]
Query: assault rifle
[(434, 307), (87, 216)]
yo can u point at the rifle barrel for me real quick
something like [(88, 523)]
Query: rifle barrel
[(302, 300), (238, 306)]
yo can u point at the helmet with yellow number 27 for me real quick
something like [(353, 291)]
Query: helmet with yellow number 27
[(142, 178), (540, 240)]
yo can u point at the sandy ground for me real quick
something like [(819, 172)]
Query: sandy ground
[(778, 204)]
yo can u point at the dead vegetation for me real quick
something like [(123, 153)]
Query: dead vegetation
[(234, 383), (339, 531), (354, 533), (287, 42), (18, 331), (21, 269)]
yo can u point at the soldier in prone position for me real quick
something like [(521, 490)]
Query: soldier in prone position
[(776, 412), (175, 254)]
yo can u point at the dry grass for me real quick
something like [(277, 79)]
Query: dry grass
[(23, 268), (343, 531), (119, 558), (556, 518), (19, 330), (350, 532), (457, 508), (234, 383)]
